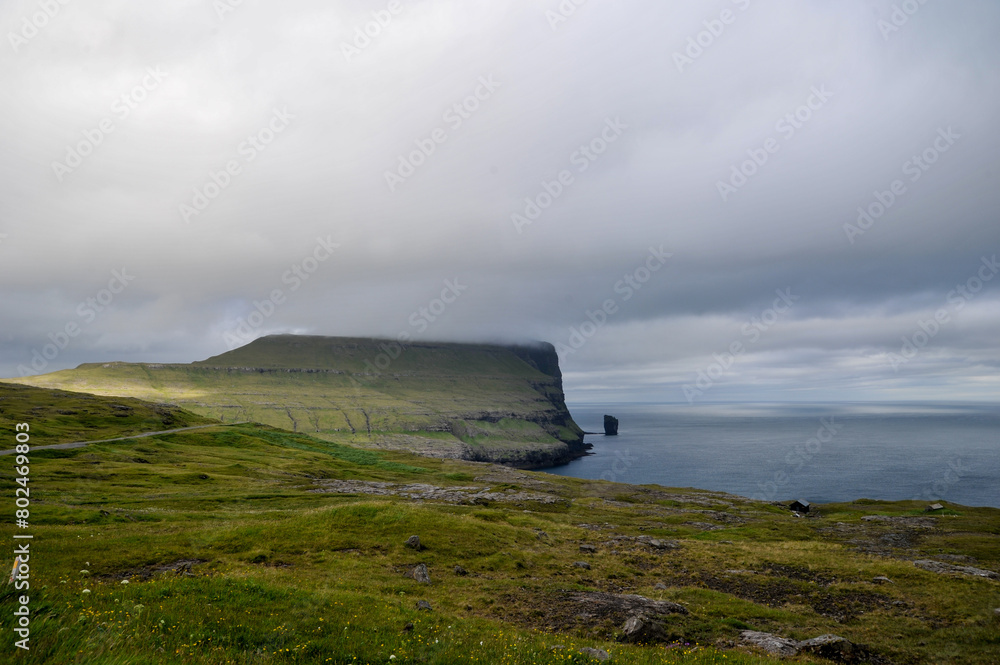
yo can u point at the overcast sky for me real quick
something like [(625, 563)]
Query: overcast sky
[(503, 171)]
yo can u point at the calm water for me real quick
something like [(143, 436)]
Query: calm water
[(818, 453)]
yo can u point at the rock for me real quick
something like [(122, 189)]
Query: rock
[(408, 627), (414, 543), (588, 549), (461, 571), (777, 646), (660, 586), (421, 574), (541, 535), (836, 648), (597, 654), (582, 564), (996, 612), (423, 605), (607, 604), (639, 629), (882, 579), (832, 647), (610, 426), (939, 567)]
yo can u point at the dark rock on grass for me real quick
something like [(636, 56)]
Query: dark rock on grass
[(597, 654), (413, 542), (588, 549), (772, 644), (939, 567), (408, 627), (461, 571), (831, 647), (423, 605), (582, 564), (420, 574), (541, 535), (639, 629), (660, 586), (837, 649)]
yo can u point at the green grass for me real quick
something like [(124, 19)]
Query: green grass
[(288, 575)]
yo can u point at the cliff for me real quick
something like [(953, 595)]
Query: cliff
[(482, 402)]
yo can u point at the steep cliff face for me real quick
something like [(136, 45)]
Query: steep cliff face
[(473, 401)]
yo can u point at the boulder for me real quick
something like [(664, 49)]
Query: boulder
[(461, 571), (774, 645), (588, 549), (639, 629), (834, 647), (596, 654), (421, 574), (582, 564), (831, 647), (423, 605), (610, 426), (882, 579), (413, 542)]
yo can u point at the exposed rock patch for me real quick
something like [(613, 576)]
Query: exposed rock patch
[(939, 567), (424, 492), (832, 647)]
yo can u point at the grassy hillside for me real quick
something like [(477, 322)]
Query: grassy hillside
[(62, 417), (248, 544), (481, 402)]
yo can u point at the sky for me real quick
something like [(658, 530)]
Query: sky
[(695, 202)]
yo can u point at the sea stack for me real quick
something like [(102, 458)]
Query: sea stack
[(610, 425)]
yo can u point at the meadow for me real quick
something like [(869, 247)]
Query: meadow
[(233, 544)]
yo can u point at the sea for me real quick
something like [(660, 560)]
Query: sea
[(822, 453)]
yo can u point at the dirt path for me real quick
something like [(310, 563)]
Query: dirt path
[(80, 444)]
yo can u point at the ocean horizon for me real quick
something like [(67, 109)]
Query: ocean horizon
[(823, 453)]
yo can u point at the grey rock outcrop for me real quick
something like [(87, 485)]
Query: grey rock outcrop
[(777, 646), (597, 654), (610, 426), (421, 574)]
